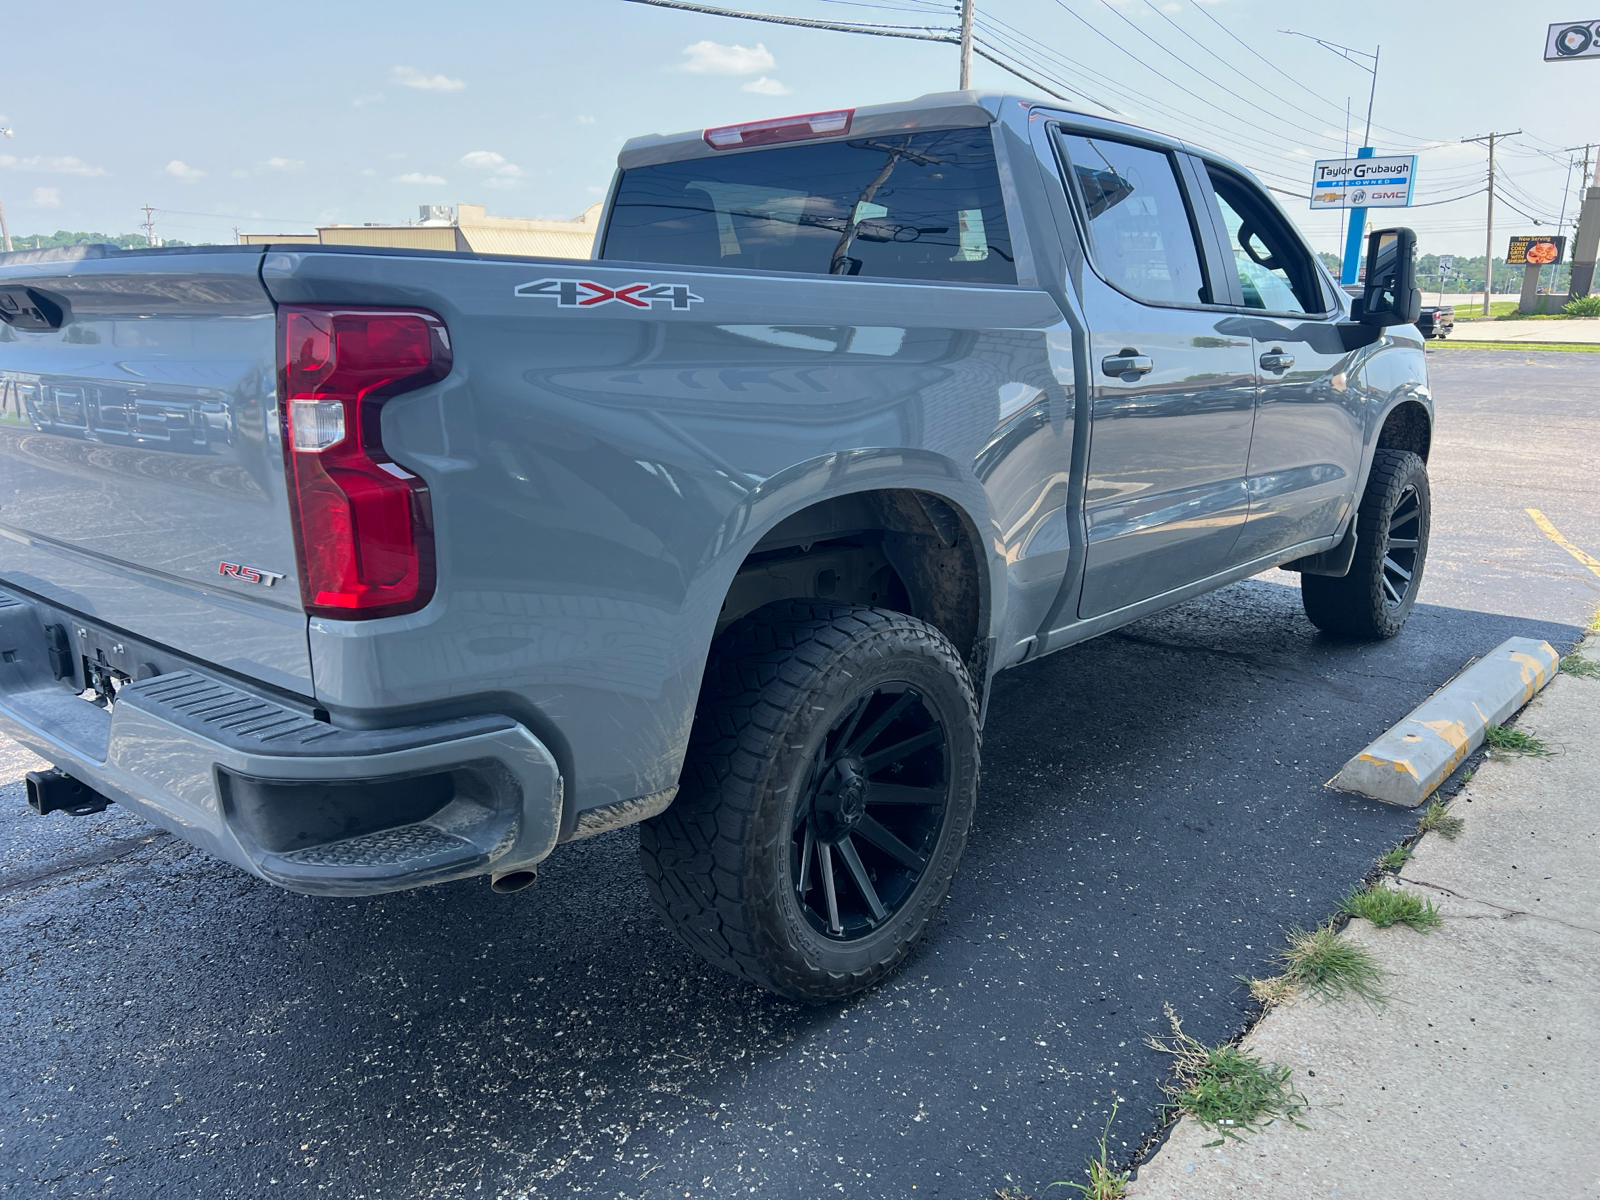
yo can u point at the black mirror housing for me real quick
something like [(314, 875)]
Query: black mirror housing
[(1392, 296)]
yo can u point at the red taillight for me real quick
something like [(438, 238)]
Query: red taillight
[(363, 527), (780, 129)]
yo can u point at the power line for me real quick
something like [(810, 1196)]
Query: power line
[(1172, 54), (1298, 83), (923, 33)]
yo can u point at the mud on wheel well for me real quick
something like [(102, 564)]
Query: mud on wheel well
[(1407, 428), (899, 549)]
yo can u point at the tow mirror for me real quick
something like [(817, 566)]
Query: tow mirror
[(1391, 296)]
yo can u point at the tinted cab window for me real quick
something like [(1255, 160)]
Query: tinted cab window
[(1275, 270), (1143, 237), (907, 206)]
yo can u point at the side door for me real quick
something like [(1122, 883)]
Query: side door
[(1174, 391), (1305, 455)]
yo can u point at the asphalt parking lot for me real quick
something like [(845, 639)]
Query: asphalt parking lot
[(1152, 818)]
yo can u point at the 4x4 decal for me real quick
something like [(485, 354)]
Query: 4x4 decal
[(572, 293)]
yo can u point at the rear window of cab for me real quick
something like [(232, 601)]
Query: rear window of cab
[(902, 206)]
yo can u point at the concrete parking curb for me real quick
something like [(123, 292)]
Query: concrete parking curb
[(1405, 765)]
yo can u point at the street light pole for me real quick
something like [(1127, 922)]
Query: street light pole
[(966, 43), (1358, 216)]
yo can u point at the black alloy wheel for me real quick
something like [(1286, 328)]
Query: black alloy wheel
[(872, 810), (1374, 599), (1403, 549), (825, 800)]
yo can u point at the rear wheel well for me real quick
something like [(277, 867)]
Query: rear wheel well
[(1407, 428), (898, 549)]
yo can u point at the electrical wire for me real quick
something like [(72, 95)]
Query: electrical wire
[(1200, 8), (1015, 37), (1178, 58)]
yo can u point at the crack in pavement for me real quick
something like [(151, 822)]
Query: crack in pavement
[(1277, 668), (1511, 913), (120, 848)]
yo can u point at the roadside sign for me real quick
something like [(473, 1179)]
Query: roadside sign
[(1447, 263), (1572, 39), (1363, 182), (1535, 250)]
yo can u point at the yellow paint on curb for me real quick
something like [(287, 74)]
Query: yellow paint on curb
[(1554, 534)]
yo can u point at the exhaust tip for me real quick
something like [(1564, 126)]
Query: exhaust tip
[(512, 881)]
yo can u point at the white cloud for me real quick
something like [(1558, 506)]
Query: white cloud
[(585, 120), (418, 177), (765, 87), (713, 58), (284, 164), (369, 98), (368, 171), (411, 77), (182, 170), (489, 160), (46, 198), (64, 165), (238, 174)]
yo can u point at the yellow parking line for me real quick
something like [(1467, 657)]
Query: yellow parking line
[(1554, 534)]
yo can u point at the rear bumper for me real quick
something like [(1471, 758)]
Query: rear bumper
[(296, 801)]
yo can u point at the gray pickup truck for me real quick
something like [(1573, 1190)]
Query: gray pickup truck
[(364, 569)]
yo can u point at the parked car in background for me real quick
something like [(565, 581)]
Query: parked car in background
[(1436, 321)]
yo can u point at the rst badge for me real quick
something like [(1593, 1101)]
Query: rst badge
[(574, 293), (249, 574)]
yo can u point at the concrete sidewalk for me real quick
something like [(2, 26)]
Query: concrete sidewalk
[(1561, 329), (1478, 1079)]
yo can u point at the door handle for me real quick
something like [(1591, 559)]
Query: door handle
[(1277, 361), (1129, 362)]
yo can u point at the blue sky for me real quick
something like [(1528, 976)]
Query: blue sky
[(279, 117)]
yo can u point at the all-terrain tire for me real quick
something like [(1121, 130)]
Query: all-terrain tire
[(1391, 550), (719, 861)]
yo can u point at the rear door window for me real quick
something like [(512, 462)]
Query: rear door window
[(902, 206), (1143, 240)]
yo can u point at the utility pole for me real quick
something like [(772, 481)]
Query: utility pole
[(149, 226), (966, 43), (1488, 242), (1586, 231), (5, 232)]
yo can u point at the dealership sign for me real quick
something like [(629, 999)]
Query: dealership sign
[(1572, 39), (1363, 182), (1536, 250)]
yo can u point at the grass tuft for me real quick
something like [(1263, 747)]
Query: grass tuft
[(1224, 1088), (1269, 993), (1395, 857), (1105, 1181), (1515, 741), (1437, 818), (1386, 906), (1580, 667), (1329, 967)]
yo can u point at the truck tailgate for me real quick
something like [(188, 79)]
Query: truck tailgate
[(141, 459)]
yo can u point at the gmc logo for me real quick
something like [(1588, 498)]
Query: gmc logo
[(249, 574), (571, 293)]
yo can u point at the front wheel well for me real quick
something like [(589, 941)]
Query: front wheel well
[(1407, 427), (899, 549)]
